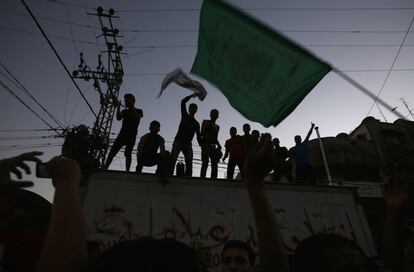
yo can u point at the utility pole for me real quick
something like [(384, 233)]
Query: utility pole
[(109, 75)]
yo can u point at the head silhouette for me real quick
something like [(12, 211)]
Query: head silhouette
[(154, 126), (276, 142), (148, 255), (214, 114), (237, 256), (298, 139), (246, 128), (326, 252), (192, 109), (129, 100), (233, 131), (256, 135)]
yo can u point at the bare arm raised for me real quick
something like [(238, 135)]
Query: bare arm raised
[(183, 104), (65, 246), (259, 163), (309, 132)]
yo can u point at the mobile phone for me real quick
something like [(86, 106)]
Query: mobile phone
[(41, 171)]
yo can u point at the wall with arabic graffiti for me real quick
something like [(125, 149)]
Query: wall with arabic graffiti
[(207, 213)]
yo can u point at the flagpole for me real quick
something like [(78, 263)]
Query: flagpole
[(367, 92), (325, 161)]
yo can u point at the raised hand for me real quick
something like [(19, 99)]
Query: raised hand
[(260, 160), (116, 102), (64, 171), (15, 165)]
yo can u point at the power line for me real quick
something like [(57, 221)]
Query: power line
[(392, 66), (410, 111), (268, 9), (58, 56), (20, 86), (194, 45), (283, 31), (50, 36), (28, 130), (26, 147), (377, 70), (25, 138), (345, 71), (248, 9), (140, 53), (70, 29), (70, 4), (49, 19), (27, 106), (307, 45), (137, 31)]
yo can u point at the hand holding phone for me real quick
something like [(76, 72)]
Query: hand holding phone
[(41, 170)]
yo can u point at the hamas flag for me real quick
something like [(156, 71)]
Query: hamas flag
[(263, 74)]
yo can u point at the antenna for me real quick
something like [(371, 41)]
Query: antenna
[(410, 111)]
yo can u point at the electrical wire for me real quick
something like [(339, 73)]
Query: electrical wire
[(267, 9), (58, 56), (11, 92), (70, 28), (70, 4), (193, 45), (345, 71), (50, 19), (50, 36), (307, 45), (137, 31), (27, 130), (248, 9), (28, 147), (21, 87), (392, 66), (25, 138)]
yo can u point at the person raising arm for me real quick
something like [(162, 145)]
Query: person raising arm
[(259, 162), (65, 246)]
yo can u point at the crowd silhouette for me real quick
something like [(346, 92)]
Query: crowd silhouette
[(64, 245), (293, 164)]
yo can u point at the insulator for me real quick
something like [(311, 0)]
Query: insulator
[(111, 11), (116, 31), (120, 48), (75, 73), (100, 10)]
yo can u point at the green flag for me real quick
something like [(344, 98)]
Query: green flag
[(263, 75)]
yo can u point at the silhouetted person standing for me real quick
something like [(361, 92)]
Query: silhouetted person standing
[(255, 136), (148, 147), (182, 142), (234, 147), (210, 147), (300, 153), (127, 135), (282, 166), (247, 139)]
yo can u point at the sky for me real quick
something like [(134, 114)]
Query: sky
[(365, 39)]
